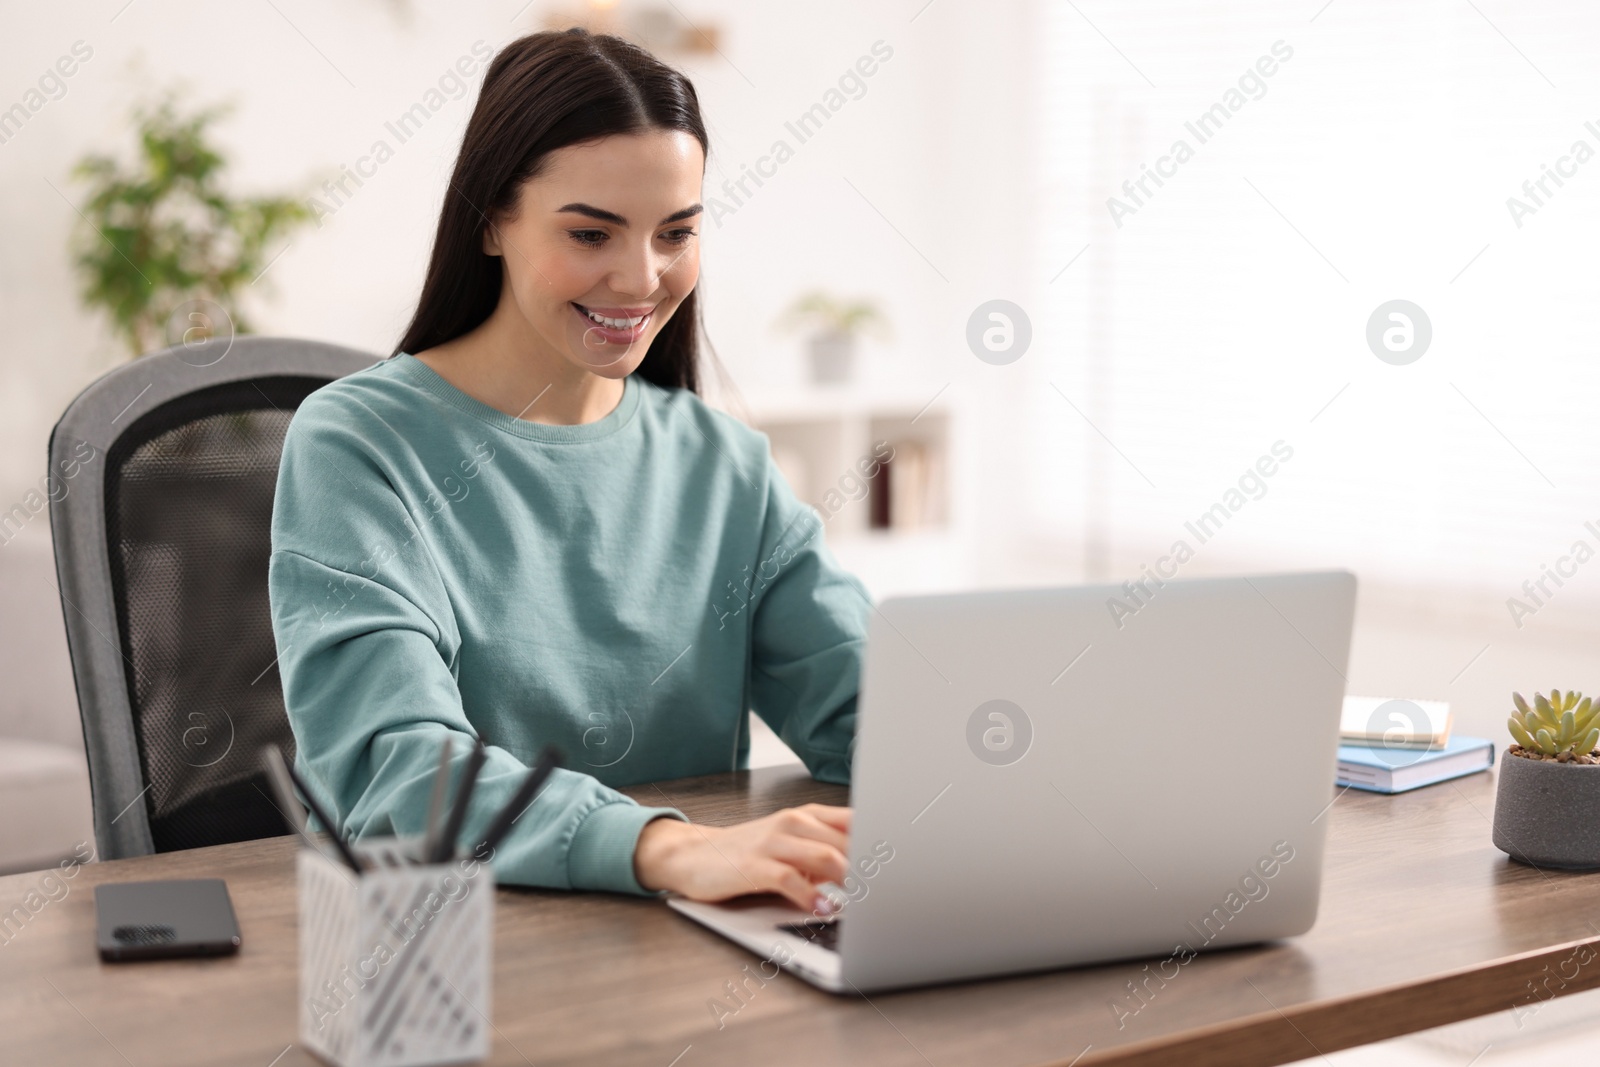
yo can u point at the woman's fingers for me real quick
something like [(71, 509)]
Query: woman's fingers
[(836, 817), (782, 878), (816, 861), (801, 823)]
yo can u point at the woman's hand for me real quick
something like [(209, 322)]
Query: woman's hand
[(791, 852)]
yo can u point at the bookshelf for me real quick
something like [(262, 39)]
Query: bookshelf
[(876, 465)]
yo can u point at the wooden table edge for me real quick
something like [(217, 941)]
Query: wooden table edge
[(1301, 1031)]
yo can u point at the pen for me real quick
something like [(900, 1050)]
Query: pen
[(283, 789), (548, 761), (445, 846), (339, 844), (441, 781)]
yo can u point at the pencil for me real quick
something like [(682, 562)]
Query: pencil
[(441, 781), (445, 847), (339, 844), (548, 761)]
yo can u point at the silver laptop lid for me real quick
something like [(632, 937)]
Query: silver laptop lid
[(1048, 777)]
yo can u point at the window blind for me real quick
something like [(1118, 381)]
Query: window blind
[(1238, 186)]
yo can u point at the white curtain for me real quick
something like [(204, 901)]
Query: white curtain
[(1355, 154)]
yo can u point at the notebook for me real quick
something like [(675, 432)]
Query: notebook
[(1394, 723), (1396, 770)]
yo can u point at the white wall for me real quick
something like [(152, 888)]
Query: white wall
[(315, 88), (908, 194), (931, 192)]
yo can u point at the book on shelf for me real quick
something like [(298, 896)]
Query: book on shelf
[(907, 492), (1389, 722), (880, 496)]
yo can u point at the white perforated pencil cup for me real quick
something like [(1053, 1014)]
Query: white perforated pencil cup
[(395, 962)]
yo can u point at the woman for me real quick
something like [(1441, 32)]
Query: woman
[(526, 527)]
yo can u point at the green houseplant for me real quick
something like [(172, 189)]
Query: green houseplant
[(162, 235), (834, 326), (1547, 801)]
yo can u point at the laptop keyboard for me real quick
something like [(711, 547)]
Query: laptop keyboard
[(824, 933)]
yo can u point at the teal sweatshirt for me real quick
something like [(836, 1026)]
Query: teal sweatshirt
[(627, 589)]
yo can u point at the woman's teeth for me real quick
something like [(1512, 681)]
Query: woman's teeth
[(615, 324)]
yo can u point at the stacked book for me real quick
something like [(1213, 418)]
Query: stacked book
[(1389, 745)]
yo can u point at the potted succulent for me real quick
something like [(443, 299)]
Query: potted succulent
[(1547, 804), (835, 326)]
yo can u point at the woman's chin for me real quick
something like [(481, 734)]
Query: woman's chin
[(620, 365)]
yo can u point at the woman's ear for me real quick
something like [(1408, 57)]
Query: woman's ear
[(491, 240)]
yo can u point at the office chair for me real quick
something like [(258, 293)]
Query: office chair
[(161, 483)]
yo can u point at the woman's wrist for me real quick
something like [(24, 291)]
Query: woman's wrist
[(659, 842)]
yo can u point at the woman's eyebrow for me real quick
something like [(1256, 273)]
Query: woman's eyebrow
[(611, 216), (686, 213)]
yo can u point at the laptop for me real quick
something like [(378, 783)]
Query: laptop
[(1055, 777)]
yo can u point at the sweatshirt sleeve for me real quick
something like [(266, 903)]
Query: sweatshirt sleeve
[(368, 652), (809, 629)]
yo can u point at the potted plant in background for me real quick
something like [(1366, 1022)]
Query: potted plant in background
[(835, 326), (163, 235), (1547, 803)]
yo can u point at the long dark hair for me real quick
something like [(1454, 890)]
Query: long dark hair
[(542, 92)]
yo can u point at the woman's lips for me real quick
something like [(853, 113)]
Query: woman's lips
[(612, 334)]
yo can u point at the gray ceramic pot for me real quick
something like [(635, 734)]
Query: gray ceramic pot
[(1548, 813), (833, 357)]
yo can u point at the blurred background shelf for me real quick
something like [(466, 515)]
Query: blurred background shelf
[(869, 461)]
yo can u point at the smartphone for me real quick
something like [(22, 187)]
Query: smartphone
[(160, 920)]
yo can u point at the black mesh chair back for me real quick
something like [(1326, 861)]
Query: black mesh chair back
[(161, 484)]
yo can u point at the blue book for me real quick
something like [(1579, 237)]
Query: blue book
[(1395, 770)]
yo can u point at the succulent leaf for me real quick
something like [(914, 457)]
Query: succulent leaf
[(1522, 705), (1547, 743), (1586, 715), (1590, 741), (1521, 734)]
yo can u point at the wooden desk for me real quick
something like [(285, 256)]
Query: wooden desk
[(1423, 923)]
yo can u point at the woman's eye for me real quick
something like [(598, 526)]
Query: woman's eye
[(588, 238), (677, 237)]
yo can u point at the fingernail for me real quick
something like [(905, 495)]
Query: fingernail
[(823, 905)]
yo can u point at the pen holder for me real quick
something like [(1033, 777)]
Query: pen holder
[(394, 963)]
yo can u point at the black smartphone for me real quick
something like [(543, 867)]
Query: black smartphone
[(160, 920)]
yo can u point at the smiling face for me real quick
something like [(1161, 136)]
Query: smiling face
[(604, 245)]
